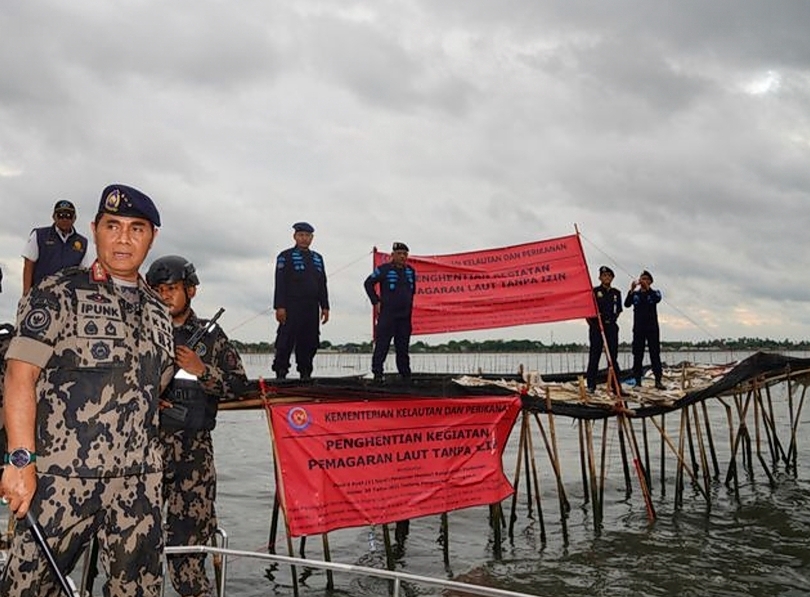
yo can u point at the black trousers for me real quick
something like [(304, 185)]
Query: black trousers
[(398, 328), (596, 349), (300, 333), (652, 338)]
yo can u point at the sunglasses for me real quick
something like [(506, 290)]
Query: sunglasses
[(64, 215)]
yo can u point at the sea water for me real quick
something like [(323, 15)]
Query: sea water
[(758, 546)]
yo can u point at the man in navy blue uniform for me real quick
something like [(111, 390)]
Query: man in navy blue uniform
[(609, 304), (393, 307), (644, 299), (301, 301), (52, 248)]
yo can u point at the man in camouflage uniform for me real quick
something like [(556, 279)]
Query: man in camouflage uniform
[(91, 354), (208, 372)]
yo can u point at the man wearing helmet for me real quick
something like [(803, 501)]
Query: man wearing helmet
[(206, 373)]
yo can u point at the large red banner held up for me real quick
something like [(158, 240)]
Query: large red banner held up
[(535, 282), (350, 464)]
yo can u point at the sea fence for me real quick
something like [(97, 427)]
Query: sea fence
[(338, 364)]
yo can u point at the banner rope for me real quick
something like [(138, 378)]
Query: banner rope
[(664, 299)]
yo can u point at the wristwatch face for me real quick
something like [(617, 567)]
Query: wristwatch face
[(20, 458)]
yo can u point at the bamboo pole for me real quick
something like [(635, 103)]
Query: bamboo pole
[(561, 495), (646, 454), (682, 465), (521, 441), (769, 432), (389, 552), (663, 457), (327, 555), (625, 466), (757, 404), (496, 515), (792, 451), (565, 506), (731, 474), (790, 411), (603, 469), (640, 473), (583, 467), (597, 511), (690, 442), (771, 421), (710, 438), (704, 462), (526, 453), (536, 480), (445, 538), (742, 411)]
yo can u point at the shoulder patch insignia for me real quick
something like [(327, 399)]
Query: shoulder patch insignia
[(37, 320)]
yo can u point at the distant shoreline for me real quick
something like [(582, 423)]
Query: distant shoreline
[(534, 346)]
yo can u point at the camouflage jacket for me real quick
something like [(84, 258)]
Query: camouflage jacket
[(106, 353)]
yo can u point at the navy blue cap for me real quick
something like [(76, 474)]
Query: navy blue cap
[(399, 247), (121, 200), (647, 274), (606, 270), (303, 227), (64, 205)]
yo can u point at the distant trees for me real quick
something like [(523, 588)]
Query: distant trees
[(529, 346)]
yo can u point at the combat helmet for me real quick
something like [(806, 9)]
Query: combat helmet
[(170, 269)]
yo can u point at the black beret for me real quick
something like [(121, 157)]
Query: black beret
[(400, 247), (121, 200), (303, 227), (646, 273), (64, 205), (606, 270)]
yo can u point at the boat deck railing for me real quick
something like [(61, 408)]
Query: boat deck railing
[(394, 576)]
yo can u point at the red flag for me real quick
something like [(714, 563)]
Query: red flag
[(530, 283), (349, 464)]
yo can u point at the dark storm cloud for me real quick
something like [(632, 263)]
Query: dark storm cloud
[(377, 67), (674, 134)]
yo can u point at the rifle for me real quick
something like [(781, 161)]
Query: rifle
[(203, 330), (178, 411)]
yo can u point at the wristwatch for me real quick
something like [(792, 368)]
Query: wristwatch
[(19, 457)]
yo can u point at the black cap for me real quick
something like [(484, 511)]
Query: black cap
[(646, 273), (303, 227), (64, 205), (121, 200), (400, 247), (606, 270)]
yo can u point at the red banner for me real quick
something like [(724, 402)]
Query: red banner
[(350, 464), (531, 283)]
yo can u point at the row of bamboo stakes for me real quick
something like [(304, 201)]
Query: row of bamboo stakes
[(695, 449), (753, 437)]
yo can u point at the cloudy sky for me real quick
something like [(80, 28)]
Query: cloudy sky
[(675, 135)]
